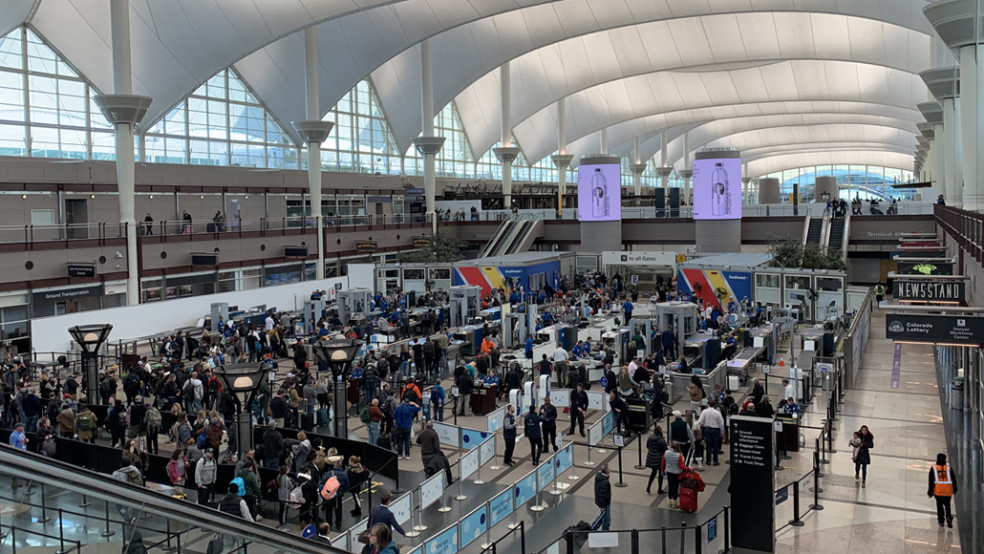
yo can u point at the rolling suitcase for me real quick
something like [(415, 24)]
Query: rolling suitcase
[(307, 422), (688, 499)]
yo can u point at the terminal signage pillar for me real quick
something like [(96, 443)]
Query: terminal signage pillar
[(752, 485)]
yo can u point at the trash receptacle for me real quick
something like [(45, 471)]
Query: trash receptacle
[(956, 394)]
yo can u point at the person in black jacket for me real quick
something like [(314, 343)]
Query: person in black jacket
[(603, 496), (465, 384), (548, 415), (621, 410), (273, 448), (578, 408), (531, 427), (509, 434)]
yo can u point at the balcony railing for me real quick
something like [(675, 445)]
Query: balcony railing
[(966, 228)]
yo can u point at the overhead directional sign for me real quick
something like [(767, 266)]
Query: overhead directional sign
[(929, 290), (935, 328)]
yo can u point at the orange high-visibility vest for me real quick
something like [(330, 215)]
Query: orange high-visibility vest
[(942, 481)]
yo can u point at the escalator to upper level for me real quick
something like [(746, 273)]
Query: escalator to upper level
[(502, 234), (514, 236), (839, 235), (83, 510), (814, 230), (836, 236)]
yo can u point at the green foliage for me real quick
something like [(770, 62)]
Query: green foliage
[(442, 249), (788, 252)]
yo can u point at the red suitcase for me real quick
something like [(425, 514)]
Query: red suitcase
[(688, 499)]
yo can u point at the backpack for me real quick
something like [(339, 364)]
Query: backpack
[(86, 423), (107, 387), (184, 433), (49, 447), (188, 391), (364, 416), (123, 418), (213, 386), (129, 474), (330, 488), (154, 418), (200, 443), (131, 385)]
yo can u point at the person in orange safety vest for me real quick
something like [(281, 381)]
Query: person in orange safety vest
[(942, 486)]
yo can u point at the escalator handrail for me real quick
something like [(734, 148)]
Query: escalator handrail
[(52, 472), (524, 229)]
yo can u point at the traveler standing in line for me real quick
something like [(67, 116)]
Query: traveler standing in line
[(863, 457), (672, 467), (205, 472), (548, 415), (711, 423), (696, 392), (603, 496), (509, 434), (381, 540), (578, 408), (681, 433), (655, 448), (942, 486), (531, 427)]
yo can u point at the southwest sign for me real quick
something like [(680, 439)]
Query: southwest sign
[(934, 328), (925, 268), (929, 291)]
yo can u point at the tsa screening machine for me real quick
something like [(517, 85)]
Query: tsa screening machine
[(351, 302), (465, 302), (681, 317)]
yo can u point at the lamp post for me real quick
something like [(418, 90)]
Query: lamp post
[(90, 338), (338, 355), (243, 380)]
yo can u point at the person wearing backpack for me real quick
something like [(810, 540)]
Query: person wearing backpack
[(332, 488), (88, 424), (132, 386), (285, 489), (437, 398), (152, 427)]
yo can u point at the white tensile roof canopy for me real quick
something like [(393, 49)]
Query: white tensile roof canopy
[(789, 82)]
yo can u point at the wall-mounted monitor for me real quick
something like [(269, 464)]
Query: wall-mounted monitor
[(599, 189)]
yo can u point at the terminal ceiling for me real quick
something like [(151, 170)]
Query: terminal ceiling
[(731, 70)]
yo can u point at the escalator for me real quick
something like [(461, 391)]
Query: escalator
[(836, 238), (814, 231), (526, 237), (502, 234), (82, 511)]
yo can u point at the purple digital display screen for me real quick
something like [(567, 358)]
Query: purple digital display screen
[(717, 188), (599, 192)]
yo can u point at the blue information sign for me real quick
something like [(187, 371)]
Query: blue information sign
[(471, 439), (473, 525), (525, 489), (500, 507), (444, 543), (712, 529)]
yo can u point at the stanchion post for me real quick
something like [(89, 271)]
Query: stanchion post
[(816, 493), (420, 513), (796, 522), (778, 459), (537, 507), (44, 508), (479, 481), (460, 496), (640, 465), (727, 529), (108, 532), (61, 533), (84, 503), (620, 483), (444, 504), (589, 463)]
